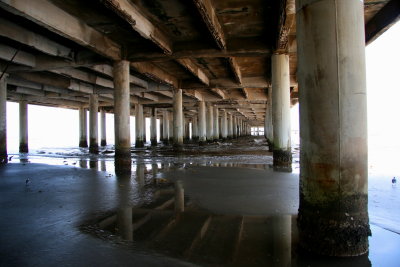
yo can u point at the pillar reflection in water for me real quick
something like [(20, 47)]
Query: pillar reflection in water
[(124, 211), (140, 174), (179, 197), (83, 163), (103, 167), (282, 240)]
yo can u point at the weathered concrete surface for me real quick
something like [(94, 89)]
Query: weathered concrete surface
[(139, 123), (333, 215), (178, 118), (103, 129), (23, 127), (82, 128), (202, 122), (281, 111), (122, 107), (93, 123), (3, 120)]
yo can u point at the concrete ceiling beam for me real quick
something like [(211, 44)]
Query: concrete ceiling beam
[(53, 18)]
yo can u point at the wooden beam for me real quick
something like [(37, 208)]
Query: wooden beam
[(226, 83), (218, 92), (31, 39), (382, 21), (58, 21), (126, 10), (236, 70), (210, 18), (21, 57), (155, 73), (194, 94), (286, 21), (195, 70)]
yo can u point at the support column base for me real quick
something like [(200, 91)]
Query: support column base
[(282, 159), (103, 143), (202, 143), (331, 231), (123, 162), (3, 158), (178, 147), (94, 149), (23, 148), (83, 144), (139, 144), (270, 145)]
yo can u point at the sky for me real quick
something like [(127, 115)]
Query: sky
[(56, 127)]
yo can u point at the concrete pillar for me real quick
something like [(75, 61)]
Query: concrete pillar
[(144, 127), (82, 128), (216, 123), (333, 212), (281, 111), (234, 125), (103, 131), (230, 126), (171, 128), (178, 118), (225, 125), (122, 107), (186, 129), (23, 127), (153, 127), (202, 122), (209, 122), (165, 136), (139, 125), (93, 124), (195, 129), (268, 121), (3, 119)]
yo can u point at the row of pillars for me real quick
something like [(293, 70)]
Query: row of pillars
[(333, 214)]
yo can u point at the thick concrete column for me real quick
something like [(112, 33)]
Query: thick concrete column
[(230, 126), (269, 133), (202, 122), (216, 123), (178, 118), (281, 111), (122, 107), (171, 128), (195, 129), (23, 127), (3, 120), (234, 125), (165, 127), (93, 123), (153, 127), (103, 131), (186, 129), (210, 123), (333, 212), (82, 128), (224, 125), (139, 125)]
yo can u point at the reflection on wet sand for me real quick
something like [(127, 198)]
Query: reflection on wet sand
[(207, 209)]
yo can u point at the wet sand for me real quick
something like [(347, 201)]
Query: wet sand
[(42, 221)]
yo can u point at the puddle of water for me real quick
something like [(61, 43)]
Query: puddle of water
[(215, 209)]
